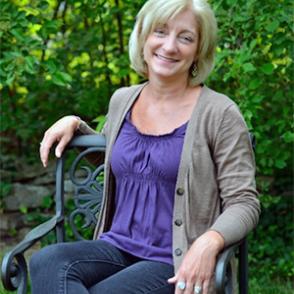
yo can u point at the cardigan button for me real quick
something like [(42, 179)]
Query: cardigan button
[(180, 191), (178, 252), (178, 222)]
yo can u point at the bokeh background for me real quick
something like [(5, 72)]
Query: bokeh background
[(68, 57)]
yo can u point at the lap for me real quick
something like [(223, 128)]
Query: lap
[(65, 265), (99, 267), (80, 249), (141, 277)]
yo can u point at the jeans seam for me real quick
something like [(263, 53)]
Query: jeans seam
[(66, 268)]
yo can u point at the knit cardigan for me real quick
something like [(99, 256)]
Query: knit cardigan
[(215, 188)]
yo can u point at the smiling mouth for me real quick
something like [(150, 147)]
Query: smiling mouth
[(164, 58)]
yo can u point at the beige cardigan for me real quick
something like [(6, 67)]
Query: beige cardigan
[(215, 187)]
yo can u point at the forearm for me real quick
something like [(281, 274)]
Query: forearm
[(237, 221)]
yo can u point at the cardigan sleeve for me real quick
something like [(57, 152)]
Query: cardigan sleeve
[(235, 172), (85, 129)]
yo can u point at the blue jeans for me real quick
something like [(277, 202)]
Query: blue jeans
[(96, 267)]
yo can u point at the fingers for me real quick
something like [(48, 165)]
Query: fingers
[(62, 132), (190, 284), (172, 280), (184, 285), (206, 284), (175, 280), (47, 143), (189, 288), (61, 145), (198, 287), (45, 147)]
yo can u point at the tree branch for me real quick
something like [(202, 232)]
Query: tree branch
[(63, 28), (121, 39), (55, 14), (104, 43)]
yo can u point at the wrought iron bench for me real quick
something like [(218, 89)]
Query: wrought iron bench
[(87, 198)]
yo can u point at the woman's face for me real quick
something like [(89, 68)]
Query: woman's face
[(170, 49)]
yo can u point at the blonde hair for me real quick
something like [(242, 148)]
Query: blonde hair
[(156, 12)]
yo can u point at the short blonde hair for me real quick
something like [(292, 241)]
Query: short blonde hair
[(156, 12)]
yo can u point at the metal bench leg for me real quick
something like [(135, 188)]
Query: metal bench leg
[(243, 268)]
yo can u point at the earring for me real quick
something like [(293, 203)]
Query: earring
[(194, 70)]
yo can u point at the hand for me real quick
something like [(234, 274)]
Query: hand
[(62, 131), (198, 265)]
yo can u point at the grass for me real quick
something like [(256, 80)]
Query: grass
[(270, 286)]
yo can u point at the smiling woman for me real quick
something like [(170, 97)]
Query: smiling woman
[(179, 169), (155, 15)]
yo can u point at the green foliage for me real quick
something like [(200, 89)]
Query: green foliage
[(271, 245), (64, 57), (58, 58), (5, 188), (254, 67), (100, 121), (79, 222)]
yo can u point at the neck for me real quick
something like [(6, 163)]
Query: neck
[(162, 90)]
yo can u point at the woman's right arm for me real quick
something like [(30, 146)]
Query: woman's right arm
[(61, 132)]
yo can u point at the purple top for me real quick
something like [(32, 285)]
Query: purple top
[(145, 169)]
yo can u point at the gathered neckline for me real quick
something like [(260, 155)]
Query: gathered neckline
[(173, 132)]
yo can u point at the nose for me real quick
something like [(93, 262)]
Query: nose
[(170, 44)]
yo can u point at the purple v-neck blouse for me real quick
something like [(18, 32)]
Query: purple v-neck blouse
[(145, 169)]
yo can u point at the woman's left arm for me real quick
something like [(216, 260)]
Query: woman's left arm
[(235, 175)]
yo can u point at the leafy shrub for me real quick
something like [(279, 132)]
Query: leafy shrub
[(271, 245)]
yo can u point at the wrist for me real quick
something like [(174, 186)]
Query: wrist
[(213, 240), (78, 121), (217, 239)]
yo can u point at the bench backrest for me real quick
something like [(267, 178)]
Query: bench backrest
[(87, 182)]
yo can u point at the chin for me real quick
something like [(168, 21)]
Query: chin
[(167, 74)]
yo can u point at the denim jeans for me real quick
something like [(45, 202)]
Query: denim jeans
[(96, 267)]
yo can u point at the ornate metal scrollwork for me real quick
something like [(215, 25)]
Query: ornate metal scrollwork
[(88, 192), (14, 273), (87, 198)]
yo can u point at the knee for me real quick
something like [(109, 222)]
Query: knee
[(47, 259), (39, 260)]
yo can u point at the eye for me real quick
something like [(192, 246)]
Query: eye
[(160, 32), (186, 39)]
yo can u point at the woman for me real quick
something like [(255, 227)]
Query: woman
[(179, 169)]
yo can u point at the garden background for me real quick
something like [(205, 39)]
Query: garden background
[(67, 57)]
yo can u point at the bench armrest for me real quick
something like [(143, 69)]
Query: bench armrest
[(14, 268), (224, 271)]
